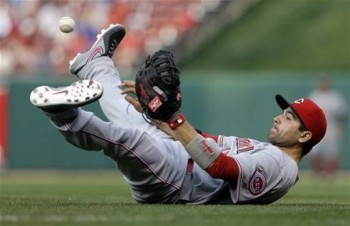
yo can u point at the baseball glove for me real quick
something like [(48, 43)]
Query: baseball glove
[(157, 86)]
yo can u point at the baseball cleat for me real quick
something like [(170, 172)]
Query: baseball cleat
[(79, 93), (107, 41)]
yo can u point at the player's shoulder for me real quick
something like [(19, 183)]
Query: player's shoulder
[(282, 158), (275, 154)]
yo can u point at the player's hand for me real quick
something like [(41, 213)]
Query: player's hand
[(129, 89), (157, 85)]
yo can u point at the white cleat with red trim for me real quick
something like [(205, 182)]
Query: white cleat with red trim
[(107, 41), (77, 94)]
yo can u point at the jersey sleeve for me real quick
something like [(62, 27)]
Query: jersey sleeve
[(262, 179)]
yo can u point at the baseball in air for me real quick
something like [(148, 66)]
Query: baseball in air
[(66, 24)]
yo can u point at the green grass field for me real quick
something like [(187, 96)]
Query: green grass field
[(279, 35), (102, 198)]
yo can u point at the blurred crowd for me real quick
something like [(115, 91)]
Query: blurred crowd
[(32, 44)]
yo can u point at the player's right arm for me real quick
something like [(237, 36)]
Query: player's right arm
[(206, 153), (157, 86)]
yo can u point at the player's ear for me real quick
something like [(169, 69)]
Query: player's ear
[(305, 136)]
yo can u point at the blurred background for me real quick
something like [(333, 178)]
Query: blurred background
[(234, 57)]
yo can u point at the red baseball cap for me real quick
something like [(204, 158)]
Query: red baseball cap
[(311, 115)]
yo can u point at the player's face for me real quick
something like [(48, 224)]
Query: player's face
[(285, 130)]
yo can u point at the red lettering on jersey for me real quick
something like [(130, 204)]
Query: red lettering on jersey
[(243, 144), (206, 147)]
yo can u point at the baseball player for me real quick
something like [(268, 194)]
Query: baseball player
[(167, 160), (325, 156)]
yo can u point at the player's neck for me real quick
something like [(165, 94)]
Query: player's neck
[(293, 152)]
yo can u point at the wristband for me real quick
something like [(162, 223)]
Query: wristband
[(203, 151), (176, 121)]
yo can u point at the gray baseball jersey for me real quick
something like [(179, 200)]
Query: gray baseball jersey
[(157, 168)]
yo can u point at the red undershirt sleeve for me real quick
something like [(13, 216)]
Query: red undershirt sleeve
[(224, 167)]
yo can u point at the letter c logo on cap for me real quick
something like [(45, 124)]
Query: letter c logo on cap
[(299, 101)]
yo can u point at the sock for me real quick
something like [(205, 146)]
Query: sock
[(64, 116)]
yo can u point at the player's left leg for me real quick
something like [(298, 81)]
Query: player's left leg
[(96, 64), (331, 152), (154, 168), (316, 163)]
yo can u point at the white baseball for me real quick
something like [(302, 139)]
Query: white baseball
[(66, 24)]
